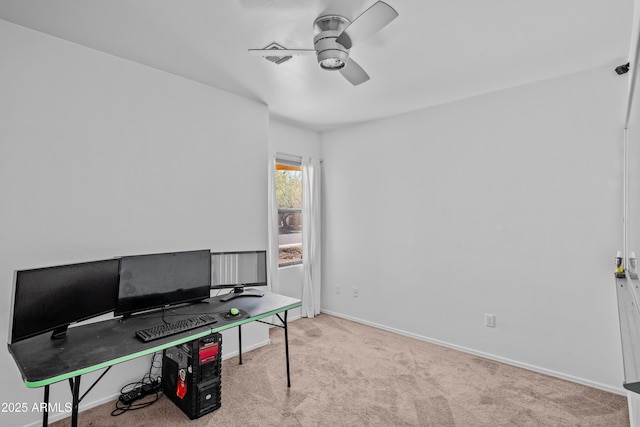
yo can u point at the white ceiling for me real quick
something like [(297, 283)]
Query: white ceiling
[(436, 51)]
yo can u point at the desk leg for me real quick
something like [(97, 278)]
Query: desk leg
[(286, 340), (286, 347), (76, 400), (240, 343), (45, 414)]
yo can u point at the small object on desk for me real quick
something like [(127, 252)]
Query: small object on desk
[(234, 314), (619, 266), (173, 328)]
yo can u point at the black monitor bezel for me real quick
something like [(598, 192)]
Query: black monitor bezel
[(125, 310), (243, 285), (61, 325)]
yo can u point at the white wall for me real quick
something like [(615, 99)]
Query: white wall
[(507, 203), (102, 157), (633, 164), (290, 139), (633, 243)]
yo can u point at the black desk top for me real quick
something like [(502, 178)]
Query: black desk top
[(94, 346)]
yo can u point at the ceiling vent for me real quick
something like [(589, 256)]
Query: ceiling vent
[(275, 58)]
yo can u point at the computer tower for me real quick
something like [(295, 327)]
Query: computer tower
[(191, 375)]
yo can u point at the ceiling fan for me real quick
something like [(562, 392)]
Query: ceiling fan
[(334, 39)]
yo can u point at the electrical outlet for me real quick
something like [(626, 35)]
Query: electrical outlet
[(337, 289), (490, 320), (355, 292)]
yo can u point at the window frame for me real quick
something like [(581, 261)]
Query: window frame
[(289, 165)]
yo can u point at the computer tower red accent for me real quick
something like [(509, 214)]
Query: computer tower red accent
[(191, 375)]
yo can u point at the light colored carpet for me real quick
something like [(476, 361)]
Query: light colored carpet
[(347, 374)]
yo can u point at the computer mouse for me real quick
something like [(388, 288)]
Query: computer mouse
[(234, 311)]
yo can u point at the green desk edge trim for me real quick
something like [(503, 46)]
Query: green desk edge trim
[(42, 383)]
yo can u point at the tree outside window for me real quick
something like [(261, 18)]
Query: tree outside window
[(289, 199)]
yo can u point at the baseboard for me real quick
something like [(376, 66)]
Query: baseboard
[(245, 349), (294, 317), (578, 380)]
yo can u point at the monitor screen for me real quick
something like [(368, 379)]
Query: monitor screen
[(46, 299), (158, 280), (234, 269)]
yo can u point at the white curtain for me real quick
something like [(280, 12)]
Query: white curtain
[(273, 251), (311, 254)]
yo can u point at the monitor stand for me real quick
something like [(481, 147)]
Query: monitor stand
[(240, 292), (59, 332)]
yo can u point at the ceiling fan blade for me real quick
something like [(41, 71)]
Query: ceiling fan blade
[(354, 73), (368, 23), (281, 52)]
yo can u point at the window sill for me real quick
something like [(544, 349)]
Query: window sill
[(290, 264)]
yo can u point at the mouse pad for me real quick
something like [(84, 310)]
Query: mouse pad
[(229, 317)]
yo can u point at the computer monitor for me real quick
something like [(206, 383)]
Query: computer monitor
[(52, 298), (238, 270), (158, 280)]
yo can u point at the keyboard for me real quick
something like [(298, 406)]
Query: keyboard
[(172, 328)]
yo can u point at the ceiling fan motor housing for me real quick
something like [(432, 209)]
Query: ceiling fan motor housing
[(331, 55)]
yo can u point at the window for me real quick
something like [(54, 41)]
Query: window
[(289, 200)]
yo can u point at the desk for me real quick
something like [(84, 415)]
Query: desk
[(95, 346)]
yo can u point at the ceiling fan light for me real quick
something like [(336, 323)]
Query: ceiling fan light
[(332, 64), (332, 59)]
